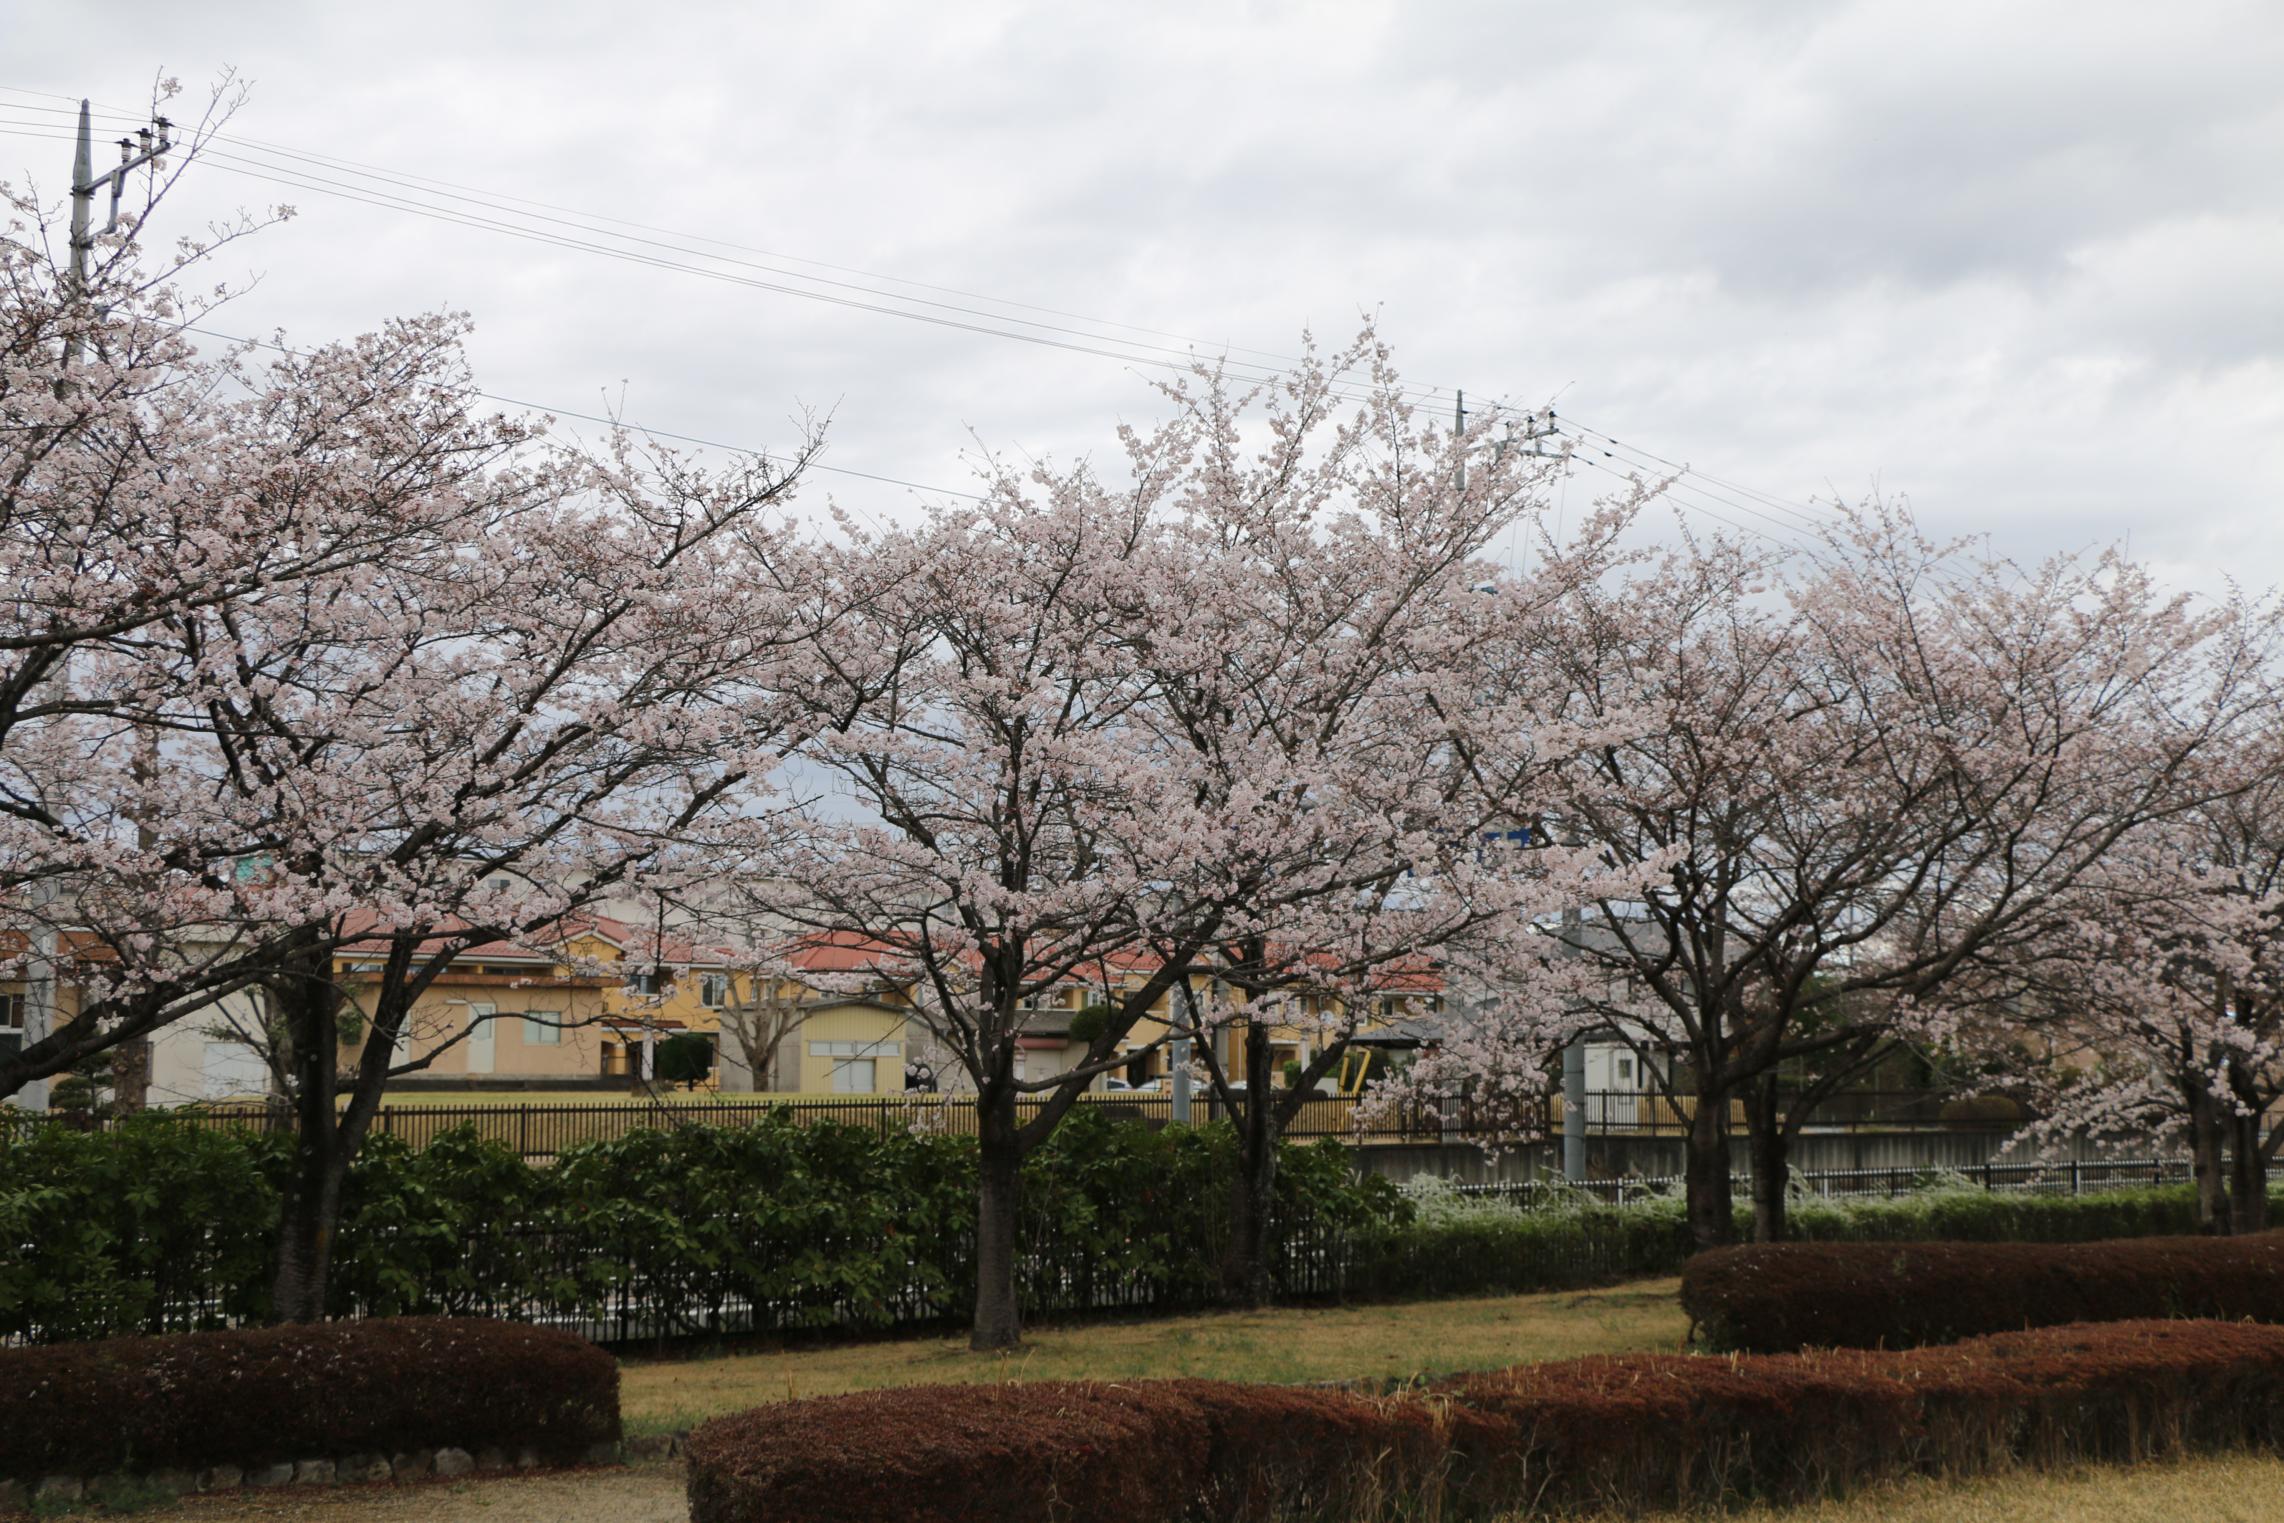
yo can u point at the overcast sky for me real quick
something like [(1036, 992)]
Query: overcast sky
[(2023, 263)]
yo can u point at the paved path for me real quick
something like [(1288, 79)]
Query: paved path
[(636, 1494)]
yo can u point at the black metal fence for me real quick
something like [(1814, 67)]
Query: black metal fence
[(654, 1295), (545, 1129), (2069, 1177), (1647, 1113)]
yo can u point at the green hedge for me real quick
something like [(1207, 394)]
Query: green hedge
[(158, 1226), (145, 1229), (1459, 1247)]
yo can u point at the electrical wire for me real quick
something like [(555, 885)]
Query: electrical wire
[(1725, 493), (1167, 358), (411, 179), (637, 428)]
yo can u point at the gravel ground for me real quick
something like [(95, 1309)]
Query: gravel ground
[(637, 1494)]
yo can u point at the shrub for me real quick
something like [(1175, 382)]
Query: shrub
[(1629, 1434), (1766, 1298), (1049, 1451), (1499, 1253), (151, 1227), (685, 1058), (1957, 1210), (1676, 1431), (832, 1226), (265, 1395), (163, 1225)]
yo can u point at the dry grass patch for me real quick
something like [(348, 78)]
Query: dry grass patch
[(1285, 1346), (2247, 1488), (2231, 1489)]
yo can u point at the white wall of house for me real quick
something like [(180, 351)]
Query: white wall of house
[(204, 1056), (1615, 1068)]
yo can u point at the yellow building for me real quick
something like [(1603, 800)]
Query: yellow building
[(832, 1020), (1051, 1046), (590, 1007)]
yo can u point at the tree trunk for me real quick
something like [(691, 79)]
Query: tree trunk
[(131, 1076), (1245, 1276), (2248, 1176), (310, 1212), (2205, 1151), (1712, 1212), (1771, 1153), (999, 1165), (308, 1218)]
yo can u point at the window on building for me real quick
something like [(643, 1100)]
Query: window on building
[(643, 983), (543, 1028), (853, 1076), (11, 1024), (713, 990)]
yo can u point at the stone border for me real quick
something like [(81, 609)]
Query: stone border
[(351, 1469)]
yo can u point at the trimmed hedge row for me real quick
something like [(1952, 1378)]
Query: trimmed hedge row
[(1769, 1298), (269, 1395), (777, 1227), (159, 1227), (1484, 1248), (1627, 1433)]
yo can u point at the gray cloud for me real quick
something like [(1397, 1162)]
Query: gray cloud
[(2017, 261)]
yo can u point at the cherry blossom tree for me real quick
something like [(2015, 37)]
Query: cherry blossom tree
[(1354, 689), (1248, 718), (995, 817), (1872, 767), (2159, 999), (141, 484), (478, 737)]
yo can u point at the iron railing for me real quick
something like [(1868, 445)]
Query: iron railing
[(543, 1129), (2066, 1177)]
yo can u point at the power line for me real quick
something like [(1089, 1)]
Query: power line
[(302, 179), (413, 180), (1817, 512), (1683, 478), (292, 177), (655, 433)]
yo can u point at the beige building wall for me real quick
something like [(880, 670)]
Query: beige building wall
[(853, 1049)]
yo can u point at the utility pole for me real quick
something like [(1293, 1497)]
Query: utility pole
[(1459, 433), (39, 1016), (146, 145), (1573, 1067)]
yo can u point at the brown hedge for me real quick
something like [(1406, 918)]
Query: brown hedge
[(1047, 1450), (260, 1396), (1630, 1433), (1695, 1431), (1770, 1298)]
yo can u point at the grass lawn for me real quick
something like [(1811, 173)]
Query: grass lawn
[(2227, 1489), (1288, 1346), (2233, 1489)]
